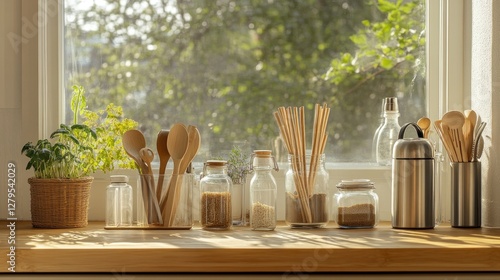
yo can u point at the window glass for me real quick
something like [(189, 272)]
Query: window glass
[(226, 66)]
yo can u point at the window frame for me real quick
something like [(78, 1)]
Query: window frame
[(446, 56)]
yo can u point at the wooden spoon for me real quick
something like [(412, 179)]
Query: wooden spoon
[(192, 149), (147, 156), (161, 147), (194, 142), (455, 121), (133, 141), (424, 123), (469, 131), (177, 145)]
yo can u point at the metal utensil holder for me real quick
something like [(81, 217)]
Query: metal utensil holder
[(466, 194)]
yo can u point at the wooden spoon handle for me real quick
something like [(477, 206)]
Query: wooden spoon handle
[(463, 149), (168, 205), (177, 197), (449, 143)]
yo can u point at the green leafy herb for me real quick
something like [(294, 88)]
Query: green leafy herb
[(80, 149)]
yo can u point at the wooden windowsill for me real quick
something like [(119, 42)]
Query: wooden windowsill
[(383, 249)]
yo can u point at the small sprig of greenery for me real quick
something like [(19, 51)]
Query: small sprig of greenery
[(237, 165), (78, 150)]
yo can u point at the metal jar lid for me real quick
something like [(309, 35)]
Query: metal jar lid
[(412, 148), (119, 178), (355, 184)]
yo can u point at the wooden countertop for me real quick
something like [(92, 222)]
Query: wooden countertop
[(94, 249)]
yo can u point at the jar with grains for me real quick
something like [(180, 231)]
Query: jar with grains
[(356, 204), (215, 196), (263, 190)]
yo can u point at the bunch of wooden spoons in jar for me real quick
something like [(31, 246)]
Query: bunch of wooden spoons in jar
[(461, 134), (181, 144)]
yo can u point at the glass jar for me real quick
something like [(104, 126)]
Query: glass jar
[(263, 190), (215, 196), (119, 202), (240, 198), (306, 184), (356, 204)]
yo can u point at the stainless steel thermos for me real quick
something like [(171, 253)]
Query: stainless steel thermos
[(413, 181)]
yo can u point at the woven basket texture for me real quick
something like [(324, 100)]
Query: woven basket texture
[(60, 203)]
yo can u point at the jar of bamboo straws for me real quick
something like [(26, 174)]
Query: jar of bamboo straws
[(215, 196), (356, 204), (307, 202)]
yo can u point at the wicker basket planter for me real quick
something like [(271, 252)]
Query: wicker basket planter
[(60, 203)]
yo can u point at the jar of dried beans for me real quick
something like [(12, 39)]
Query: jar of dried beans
[(356, 204), (215, 196)]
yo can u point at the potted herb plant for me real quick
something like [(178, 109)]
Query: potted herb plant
[(63, 164)]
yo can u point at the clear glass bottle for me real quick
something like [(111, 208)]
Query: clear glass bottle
[(307, 201), (377, 131), (263, 190), (356, 204), (119, 202), (215, 196), (389, 132)]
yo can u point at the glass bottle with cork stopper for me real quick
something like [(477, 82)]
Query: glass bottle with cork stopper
[(215, 196), (263, 189)]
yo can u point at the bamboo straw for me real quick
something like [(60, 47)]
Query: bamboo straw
[(299, 153), (291, 122), (319, 141), (288, 131)]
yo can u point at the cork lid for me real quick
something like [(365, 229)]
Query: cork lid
[(262, 153), (215, 163)]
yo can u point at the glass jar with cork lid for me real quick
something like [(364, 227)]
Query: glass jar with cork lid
[(356, 204), (215, 196), (263, 190)]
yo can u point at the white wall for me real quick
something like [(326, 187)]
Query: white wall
[(485, 98), (15, 119)]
